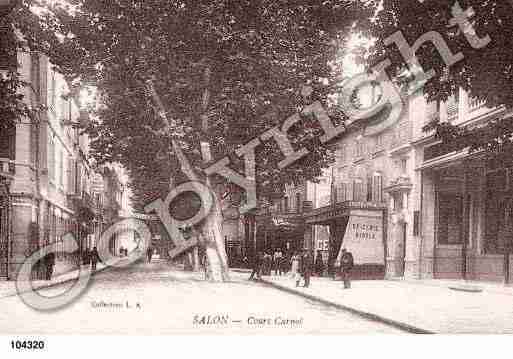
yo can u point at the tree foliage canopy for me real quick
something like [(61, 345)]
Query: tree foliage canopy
[(245, 59), (486, 73)]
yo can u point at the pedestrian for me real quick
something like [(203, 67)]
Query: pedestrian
[(294, 268), (278, 256), (319, 264), (306, 267), (149, 253), (95, 258), (49, 263), (266, 263), (346, 265), (285, 264), (257, 266)]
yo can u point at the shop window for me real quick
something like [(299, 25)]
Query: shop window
[(499, 221), (450, 219)]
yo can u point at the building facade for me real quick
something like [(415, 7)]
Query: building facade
[(466, 199), (46, 177), (406, 206)]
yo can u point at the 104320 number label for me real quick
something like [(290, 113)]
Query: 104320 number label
[(27, 344)]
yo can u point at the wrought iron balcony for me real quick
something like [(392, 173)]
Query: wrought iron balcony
[(7, 167), (475, 104)]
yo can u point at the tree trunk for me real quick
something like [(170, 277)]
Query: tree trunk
[(195, 258), (212, 230), (212, 225)]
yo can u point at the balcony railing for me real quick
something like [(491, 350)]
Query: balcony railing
[(452, 112), (475, 104), (7, 167)]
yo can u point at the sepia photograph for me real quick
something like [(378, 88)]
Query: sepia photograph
[(255, 167)]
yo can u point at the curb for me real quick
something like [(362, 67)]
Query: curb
[(240, 270), (367, 315), (50, 285)]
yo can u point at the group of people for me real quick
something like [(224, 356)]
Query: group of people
[(149, 253), (300, 265), (123, 252), (91, 257)]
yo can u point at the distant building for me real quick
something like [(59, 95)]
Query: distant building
[(46, 178)]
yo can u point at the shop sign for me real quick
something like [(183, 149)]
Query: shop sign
[(364, 237)]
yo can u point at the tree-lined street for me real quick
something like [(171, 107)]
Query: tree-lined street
[(172, 301)]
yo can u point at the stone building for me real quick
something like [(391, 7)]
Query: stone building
[(407, 206), (45, 173), (465, 199)]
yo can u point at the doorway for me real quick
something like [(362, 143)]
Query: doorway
[(400, 249), (4, 232)]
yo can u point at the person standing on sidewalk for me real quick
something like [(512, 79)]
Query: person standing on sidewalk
[(294, 269), (346, 265), (49, 263), (149, 253), (306, 267), (319, 264), (95, 257), (278, 256), (257, 266)]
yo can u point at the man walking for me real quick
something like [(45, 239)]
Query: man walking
[(49, 262), (307, 266), (95, 257), (149, 253), (278, 257), (346, 264), (257, 266)]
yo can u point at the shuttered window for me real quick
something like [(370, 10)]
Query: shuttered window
[(51, 159), (377, 188)]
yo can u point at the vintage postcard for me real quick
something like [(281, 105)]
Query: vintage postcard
[(255, 167)]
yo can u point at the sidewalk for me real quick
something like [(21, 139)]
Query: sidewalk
[(418, 307), (8, 288)]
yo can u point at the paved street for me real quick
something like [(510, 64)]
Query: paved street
[(428, 305), (165, 301)]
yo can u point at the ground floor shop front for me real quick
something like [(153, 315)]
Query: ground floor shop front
[(27, 224), (467, 220), (358, 227)]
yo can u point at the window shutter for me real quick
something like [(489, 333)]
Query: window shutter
[(370, 195), (51, 160), (78, 185)]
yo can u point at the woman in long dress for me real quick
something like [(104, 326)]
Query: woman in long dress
[(294, 270)]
